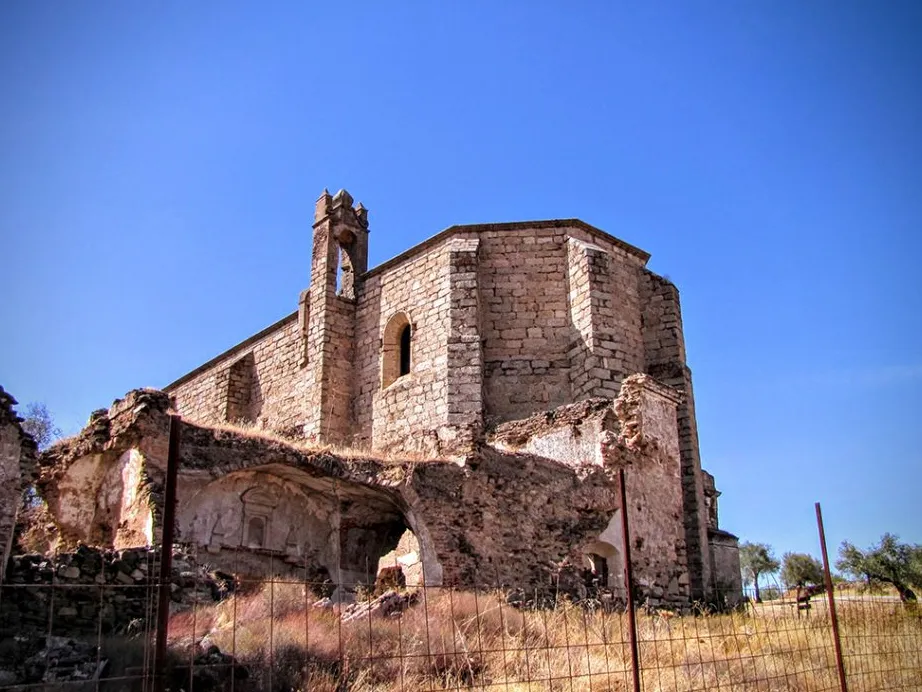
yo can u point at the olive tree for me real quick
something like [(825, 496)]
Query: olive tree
[(801, 569), (756, 559), (888, 562)]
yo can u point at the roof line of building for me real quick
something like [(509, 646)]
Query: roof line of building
[(419, 247), (233, 349), (508, 226)]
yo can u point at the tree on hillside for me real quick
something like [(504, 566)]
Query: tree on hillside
[(38, 422), (890, 562), (756, 559), (801, 569)]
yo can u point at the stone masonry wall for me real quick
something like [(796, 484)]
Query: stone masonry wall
[(560, 316), (89, 589), (526, 332), (531, 316), (17, 468), (276, 381), (508, 319), (725, 567), (664, 346), (637, 433), (409, 413), (502, 517)]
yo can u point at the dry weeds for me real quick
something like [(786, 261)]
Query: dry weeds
[(253, 431), (465, 640)]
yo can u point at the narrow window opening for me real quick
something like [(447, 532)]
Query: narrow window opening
[(339, 271), (405, 351), (396, 345)]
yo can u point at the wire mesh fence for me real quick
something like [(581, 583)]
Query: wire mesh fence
[(291, 633), (167, 618)]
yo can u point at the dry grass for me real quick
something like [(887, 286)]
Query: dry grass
[(466, 640), (253, 431)]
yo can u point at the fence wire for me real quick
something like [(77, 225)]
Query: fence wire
[(286, 632)]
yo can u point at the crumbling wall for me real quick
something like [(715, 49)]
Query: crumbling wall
[(17, 469), (635, 432), (96, 590), (104, 486), (664, 348), (498, 518)]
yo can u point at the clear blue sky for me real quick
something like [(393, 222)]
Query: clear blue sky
[(159, 163)]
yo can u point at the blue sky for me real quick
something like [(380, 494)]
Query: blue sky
[(159, 163)]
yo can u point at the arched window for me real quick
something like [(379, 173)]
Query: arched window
[(258, 506), (405, 350), (397, 346)]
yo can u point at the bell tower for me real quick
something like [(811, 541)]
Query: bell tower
[(338, 261)]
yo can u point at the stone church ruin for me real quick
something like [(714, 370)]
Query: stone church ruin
[(460, 411)]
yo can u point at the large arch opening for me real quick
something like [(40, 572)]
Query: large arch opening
[(403, 565), (279, 518)]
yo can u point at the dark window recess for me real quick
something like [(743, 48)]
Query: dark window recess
[(256, 532), (599, 570), (405, 351)]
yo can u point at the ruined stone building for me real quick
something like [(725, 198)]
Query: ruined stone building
[(489, 381), (17, 467)]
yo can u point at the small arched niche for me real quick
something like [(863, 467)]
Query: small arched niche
[(258, 506), (602, 559), (397, 348)]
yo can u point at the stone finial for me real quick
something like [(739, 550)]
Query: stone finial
[(361, 213), (342, 199), (324, 204)]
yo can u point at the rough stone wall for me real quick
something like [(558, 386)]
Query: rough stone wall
[(339, 256), (508, 319), (526, 332), (604, 302), (636, 432), (104, 486), (241, 402), (465, 355), (664, 346), (107, 590), (710, 499), (277, 381), (725, 566), (647, 411), (17, 469), (406, 557), (500, 517), (409, 413)]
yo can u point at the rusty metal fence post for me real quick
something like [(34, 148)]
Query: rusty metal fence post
[(840, 665), (629, 583), (166, 554)]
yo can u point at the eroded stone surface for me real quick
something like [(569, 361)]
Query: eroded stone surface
[(17, 469), (539, 495), (539, 357), (506, 321)]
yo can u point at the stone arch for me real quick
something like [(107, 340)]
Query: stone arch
[(603, 558), (258, 507), (306, 521), (397, 349)]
